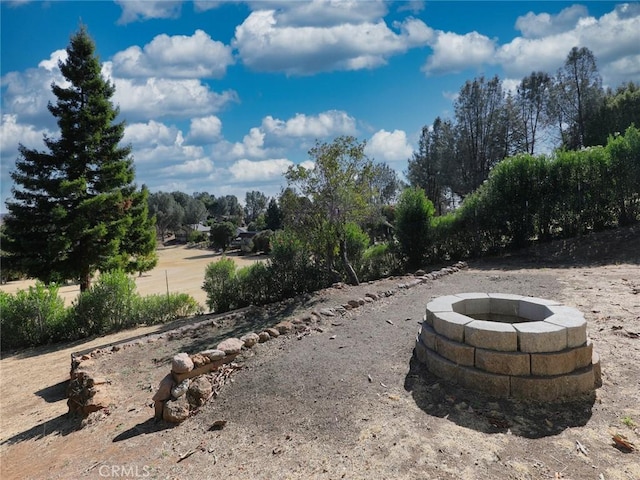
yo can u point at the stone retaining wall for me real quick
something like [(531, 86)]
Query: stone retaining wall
[(540, 351)]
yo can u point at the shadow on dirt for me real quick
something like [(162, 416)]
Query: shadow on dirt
[(62, 425), (487, 414), (620, 245), (54, 393), (149, 426)]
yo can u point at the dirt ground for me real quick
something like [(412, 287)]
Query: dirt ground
[(349, 401)]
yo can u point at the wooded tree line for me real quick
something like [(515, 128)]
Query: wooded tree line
[(569, 110)]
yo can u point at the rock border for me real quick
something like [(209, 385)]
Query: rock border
[(195, 378), (542, 352)]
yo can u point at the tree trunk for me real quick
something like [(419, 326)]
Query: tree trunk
[(353, 277), (85, 282)]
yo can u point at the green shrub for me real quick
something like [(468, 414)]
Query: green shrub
[(32, 317), (255, 285), (157, 309), (357, 243), (221, 285), (380, 261), (110, 304), (413, 217), (293, 270), (196, 236), (262, 241)]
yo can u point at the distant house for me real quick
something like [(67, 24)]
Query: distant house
[(182, 233), (243, 239)]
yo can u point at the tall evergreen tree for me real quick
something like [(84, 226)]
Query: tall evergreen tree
[(74, 204)]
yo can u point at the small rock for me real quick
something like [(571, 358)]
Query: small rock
[(284, 327), (419, 273), (361, 301), (213, 355), (164, 389), (199, 360), (231, 346), (264, 337), (346, 306), (327, 312), (354, 303), (199, 391), (176, 411), (250, 339), (180, 389), (273, 332), (181, 363)]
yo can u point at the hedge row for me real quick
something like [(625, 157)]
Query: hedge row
[(38, 316)]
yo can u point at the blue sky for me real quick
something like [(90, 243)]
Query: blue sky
[(223, 96)]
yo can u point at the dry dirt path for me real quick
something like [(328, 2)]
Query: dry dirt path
[(305, 409)]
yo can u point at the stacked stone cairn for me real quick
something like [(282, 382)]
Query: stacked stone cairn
[(509, 346)]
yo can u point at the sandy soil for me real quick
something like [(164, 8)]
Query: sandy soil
[(306, 409)]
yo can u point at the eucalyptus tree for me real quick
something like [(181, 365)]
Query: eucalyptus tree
[(74, 203)]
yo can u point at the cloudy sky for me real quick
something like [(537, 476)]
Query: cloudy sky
[(223, 97)]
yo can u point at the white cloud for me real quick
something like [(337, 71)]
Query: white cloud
[(265, 42), (322, 13), (196, 167), (545, 43), (140, 10), (544, 24), (159, 97), (28, 93), (13, 133), (259, 171), (613, 39), (204, 5), (331, 122), (453, 53), (251, 146), (178, 56), (150, 134), (205, 129), (389, 146)]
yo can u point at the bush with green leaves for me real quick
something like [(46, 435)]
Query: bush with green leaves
[(380, 261), (110, 304), (413, 218), (32, 317), (221, 285), (262, 241), (255, 285), (196, 236), (357, 242), (163, 308)]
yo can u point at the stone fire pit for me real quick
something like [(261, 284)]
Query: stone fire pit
[(509, 346)]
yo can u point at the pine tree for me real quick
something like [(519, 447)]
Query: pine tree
[(74, 205)]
